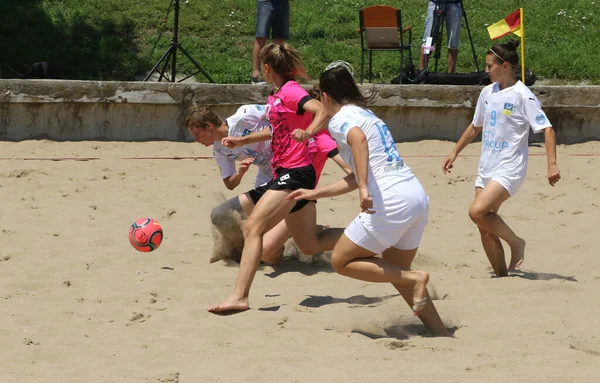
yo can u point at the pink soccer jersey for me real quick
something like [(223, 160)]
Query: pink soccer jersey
[(319, 146), (285, 115)]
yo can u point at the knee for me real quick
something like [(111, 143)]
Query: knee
[(338, 263), (273, 257), (476, 213), (226, 216), (253, 228), (214, 216)]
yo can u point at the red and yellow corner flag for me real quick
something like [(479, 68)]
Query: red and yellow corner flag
[(511, 23)]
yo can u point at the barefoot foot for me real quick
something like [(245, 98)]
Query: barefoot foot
[(420, 297), (231, 304), (517, 255)]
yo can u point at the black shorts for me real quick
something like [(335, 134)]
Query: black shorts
[(288, 179)]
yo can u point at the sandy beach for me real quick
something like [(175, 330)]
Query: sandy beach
[(79, 304)]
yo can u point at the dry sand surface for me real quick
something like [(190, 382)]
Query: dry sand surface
[(79, 304)]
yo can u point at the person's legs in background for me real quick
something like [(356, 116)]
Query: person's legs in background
[(264, 19), (271, 16), (453, 25)]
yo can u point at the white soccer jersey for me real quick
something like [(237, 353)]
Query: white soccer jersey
[(506, 116), (386, 167), (248, 119)]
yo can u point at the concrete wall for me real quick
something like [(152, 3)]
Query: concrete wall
[(136, 111)]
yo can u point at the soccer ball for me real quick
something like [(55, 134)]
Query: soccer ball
[(145, 235)]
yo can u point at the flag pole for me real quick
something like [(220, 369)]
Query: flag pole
[(522, 47)]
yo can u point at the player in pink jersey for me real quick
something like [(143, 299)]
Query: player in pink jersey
[(290, 107), (208, 128)]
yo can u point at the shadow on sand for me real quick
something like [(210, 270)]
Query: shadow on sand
[(534, 276), (296, 266), (400, 331), (315, 301)]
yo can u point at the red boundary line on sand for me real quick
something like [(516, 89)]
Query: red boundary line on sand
[(211, 157)]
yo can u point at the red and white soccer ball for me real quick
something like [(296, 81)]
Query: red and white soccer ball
[(145, 235)]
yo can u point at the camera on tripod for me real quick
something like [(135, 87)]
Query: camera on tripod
[(440, 12)]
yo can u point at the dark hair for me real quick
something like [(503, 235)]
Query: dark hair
[(315, 92), (339, 84), (506, 52), (284, 60), (201, 117)]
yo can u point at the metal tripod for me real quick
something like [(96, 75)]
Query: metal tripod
[(439, 17), (171, 53)]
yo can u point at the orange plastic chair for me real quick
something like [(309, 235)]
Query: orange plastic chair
[(381, 30)]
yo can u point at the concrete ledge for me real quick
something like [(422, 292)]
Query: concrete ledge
[(136, 111)]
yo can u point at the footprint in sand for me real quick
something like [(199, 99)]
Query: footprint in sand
[(22, 173), (29, 342), (156, 304), (139, 318), (169, 378), (588, 347), (395, 343)]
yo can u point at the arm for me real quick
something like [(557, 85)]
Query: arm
[(319, 121), (550, 139), (360, 152), (260, 136), (467, 137), (343, 186), (340, 162), (233, 181)]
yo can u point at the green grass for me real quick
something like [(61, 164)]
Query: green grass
[(118, 39)]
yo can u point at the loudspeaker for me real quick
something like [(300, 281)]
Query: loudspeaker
[(411, 75), (473, 78)]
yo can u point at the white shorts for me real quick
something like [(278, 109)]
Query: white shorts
[(262, 178), (401, 214), (510, 183)]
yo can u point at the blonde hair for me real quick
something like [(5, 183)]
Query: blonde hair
[(201, 117), (284, 60)]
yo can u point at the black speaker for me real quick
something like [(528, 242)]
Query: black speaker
[(473, 78)]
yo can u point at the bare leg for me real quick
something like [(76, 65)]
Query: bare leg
[(429, 316), (493, 247), (274, 242), (307, 240), (269, 211), (356, 262), (452, 57), (259, 43), (494, 252), (482, 213), (228, 239)]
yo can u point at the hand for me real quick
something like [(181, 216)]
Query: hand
[(245, 165), (232, 142), (300, 135), (447, 165), (298, 194), (366, 202), (553, 174)]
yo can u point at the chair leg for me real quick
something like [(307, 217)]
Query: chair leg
[(370, 67), (362, 67)]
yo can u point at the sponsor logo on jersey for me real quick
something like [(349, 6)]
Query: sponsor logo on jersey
[(246, 132), (508, 109), (540, 118)]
